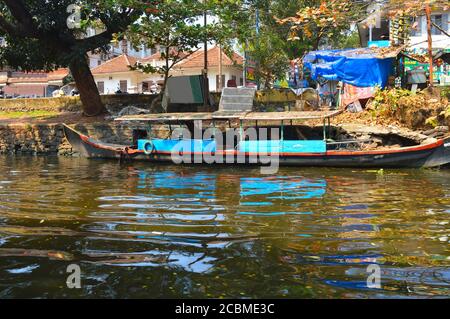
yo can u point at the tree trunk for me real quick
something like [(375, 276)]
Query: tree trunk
[(316, 41), (166, 78), (90, 98), (430, 43), (166, 71)]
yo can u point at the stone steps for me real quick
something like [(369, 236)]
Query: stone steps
[(237, 99)]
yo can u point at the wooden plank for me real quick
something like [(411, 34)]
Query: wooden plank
[(167, 117), (226, 115), (245, 116), (292, 115)]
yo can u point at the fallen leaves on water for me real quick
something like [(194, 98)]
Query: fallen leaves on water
[(37, 231), (118, 259), (51, 254)]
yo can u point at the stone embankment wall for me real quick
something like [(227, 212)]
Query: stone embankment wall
[(49, 139), (73, 104)]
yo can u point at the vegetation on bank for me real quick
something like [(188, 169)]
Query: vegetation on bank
[(29, 114), (422, 109)]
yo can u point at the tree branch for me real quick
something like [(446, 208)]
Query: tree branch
[(440, 29), (8, 27), (21, 14)]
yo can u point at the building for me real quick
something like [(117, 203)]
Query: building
[(31, 84), (386, 32), (116, 74), (232, 67), (115, 49), (418, 38)]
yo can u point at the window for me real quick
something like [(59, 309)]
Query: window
[(124, 86), (101, 87), (438, 20)]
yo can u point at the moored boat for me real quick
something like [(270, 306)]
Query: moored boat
[(259, 150)]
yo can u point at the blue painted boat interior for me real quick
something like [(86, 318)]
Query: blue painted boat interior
[(209, 146), (296, 146), (160, 145)]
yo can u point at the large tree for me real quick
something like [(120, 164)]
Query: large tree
[(251, 22), (45, 35), (263, 26)]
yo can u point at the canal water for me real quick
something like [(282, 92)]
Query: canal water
[(147, 231)]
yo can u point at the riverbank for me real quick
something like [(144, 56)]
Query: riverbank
[(45, 136), (34, 126), (40, 138)]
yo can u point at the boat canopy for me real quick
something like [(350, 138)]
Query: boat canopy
[(226, 116), (366, 67)]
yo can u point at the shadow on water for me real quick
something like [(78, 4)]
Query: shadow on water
[(146, 231)]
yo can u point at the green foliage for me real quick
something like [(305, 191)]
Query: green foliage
[(432, 121), (445, 92), (346, 40), (29, 114), (447, 113), (270, 48), (388, 100), (39, 38), (175, 26)]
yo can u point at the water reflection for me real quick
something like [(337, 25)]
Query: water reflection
[(168, 231)]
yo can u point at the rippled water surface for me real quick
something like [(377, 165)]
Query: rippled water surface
[(146, 231)]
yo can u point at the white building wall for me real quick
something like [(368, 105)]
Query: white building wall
[(152, 78), (212, 74), (135, 78), (420, 41), (112, 81)]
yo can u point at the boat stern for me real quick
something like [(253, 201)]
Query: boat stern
[(441, 156)]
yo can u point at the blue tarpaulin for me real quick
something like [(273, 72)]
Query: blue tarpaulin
[(358, 67)]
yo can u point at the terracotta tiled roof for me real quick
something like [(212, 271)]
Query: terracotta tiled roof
[(26, 80), (58, 74), (157, 57), (196, 60), (118, 64), (35, 77)]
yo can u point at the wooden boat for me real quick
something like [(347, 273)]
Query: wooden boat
[(315, 153)]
